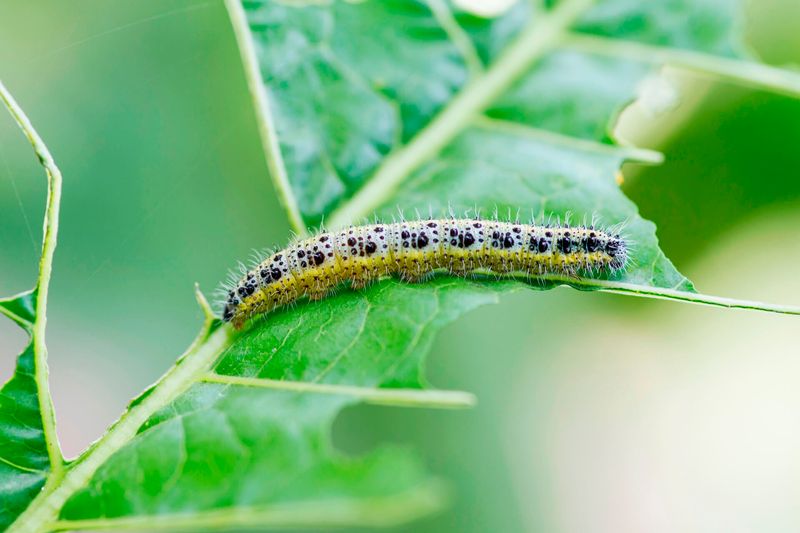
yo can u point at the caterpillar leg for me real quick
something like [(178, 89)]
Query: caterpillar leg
[(317, 295), (461, 271), (361, 280), (414, 277), (413, 272)]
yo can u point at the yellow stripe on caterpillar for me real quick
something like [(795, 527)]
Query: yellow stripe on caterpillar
[(413, 250)]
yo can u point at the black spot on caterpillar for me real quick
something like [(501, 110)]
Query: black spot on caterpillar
[(413, 250)]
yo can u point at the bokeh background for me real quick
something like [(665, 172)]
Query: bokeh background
[(631, 415)]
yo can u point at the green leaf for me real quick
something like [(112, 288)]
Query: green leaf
[(365, 107), (254, 448), (347, 93), (29, 450), (711, 26), (555, 78), (24, 462), (21, 309)]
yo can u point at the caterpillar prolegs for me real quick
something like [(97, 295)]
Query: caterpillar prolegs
[(412, 250)]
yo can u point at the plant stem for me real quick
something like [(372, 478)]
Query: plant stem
[(374, 395), (659, 293), (749, 72), (695, 298), (44, 509), (49, 240)]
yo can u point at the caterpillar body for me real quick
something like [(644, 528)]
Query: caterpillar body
[(413, 250)]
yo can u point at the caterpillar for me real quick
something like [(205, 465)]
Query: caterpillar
[(413, 250)]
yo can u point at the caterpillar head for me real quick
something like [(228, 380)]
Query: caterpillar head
[(228, 312), (618, 251), (233, 300)]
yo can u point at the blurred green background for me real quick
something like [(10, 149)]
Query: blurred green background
[(657, 417)]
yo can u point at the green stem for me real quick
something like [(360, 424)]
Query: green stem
[(536, 39), (50, 234), (658, 293), (696, 298), (266, 124), (379, 396), (195, 363), (758, 74)]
